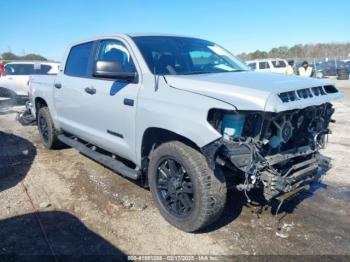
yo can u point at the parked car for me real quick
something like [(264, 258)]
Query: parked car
[(276, 65), (14, 82), (329, 68), (181, 115)]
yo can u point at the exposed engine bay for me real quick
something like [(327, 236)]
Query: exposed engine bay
[(276, 151)]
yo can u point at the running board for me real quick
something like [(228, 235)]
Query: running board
[(105, 160)]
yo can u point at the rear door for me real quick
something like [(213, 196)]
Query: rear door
[(69, 94)]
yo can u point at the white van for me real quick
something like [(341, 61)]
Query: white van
[(275, 65), (15, 80)]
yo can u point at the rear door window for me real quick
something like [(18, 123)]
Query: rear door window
[(264, 65), (40, 69), (278, 63), (78, 60), (19, 69)]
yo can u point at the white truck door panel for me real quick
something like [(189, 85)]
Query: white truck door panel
[(111, 109), (69, 100), (110, 115), (106, 116), (69, 89)]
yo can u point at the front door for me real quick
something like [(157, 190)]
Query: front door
[(105, 109)]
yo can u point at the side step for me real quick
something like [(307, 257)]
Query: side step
[(105, 160)]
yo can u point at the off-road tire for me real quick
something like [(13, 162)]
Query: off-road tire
[(209, 187), (51, 142)]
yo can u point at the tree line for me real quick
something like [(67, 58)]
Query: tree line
[(331, 50), (9, 56)]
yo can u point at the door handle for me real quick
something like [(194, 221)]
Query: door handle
[(57, 85), (128, 102), (90, 90)]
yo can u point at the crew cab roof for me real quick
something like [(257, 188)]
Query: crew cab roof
[(126, 35)]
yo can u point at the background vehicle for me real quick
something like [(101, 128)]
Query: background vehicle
[(14, 82), (182, 115), (276, 65), (330, 67)]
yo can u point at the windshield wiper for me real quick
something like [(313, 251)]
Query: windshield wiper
[(198, 72), (233, 71), (238, 70), (211, 72)]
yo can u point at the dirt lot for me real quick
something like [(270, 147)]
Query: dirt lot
[(84, 208)]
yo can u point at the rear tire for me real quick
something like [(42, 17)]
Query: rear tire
[(46, 129), (194, 201)]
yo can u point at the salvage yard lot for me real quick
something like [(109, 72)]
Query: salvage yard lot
[(86, 209)]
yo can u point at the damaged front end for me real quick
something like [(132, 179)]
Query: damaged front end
[(275, 151)]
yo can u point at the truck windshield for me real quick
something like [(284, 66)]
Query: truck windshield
[(168, 55)]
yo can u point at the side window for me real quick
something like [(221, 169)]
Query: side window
[(41, 69), (278, 63), (78, 59), (114, 50), (202, 59), (264, 65), (252, 66), (9, 70), (19, 69)]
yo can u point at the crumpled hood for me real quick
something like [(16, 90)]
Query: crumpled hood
[(251, 90)]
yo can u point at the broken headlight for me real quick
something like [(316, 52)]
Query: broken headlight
[(228, 123), (233, 124)]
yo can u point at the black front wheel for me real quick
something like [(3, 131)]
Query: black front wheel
[(187, 192), (174, 187)]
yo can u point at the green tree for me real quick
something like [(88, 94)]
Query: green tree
[(259, 54), (33, 57), (8, 56)]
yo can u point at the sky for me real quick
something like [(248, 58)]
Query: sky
[(47, 27)]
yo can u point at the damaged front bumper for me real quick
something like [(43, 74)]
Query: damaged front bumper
[(26, 117), (296, 176), (280, 175)]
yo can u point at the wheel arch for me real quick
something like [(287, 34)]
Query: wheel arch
[(39, 103), (155, 136)]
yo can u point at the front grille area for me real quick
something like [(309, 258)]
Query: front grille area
[(295, 128), (306, 93)]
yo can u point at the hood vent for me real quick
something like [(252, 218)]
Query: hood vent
[(306, 93)]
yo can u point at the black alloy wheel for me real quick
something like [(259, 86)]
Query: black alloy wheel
[(43, 128), (175, 188)]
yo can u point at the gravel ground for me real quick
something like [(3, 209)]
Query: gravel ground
[(85, 209)]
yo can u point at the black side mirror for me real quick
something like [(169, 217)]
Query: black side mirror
[(113, 70)]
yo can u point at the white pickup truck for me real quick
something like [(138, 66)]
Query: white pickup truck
[(183, 116), (14, 82)]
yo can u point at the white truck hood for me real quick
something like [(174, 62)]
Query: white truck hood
[(253, 90)]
